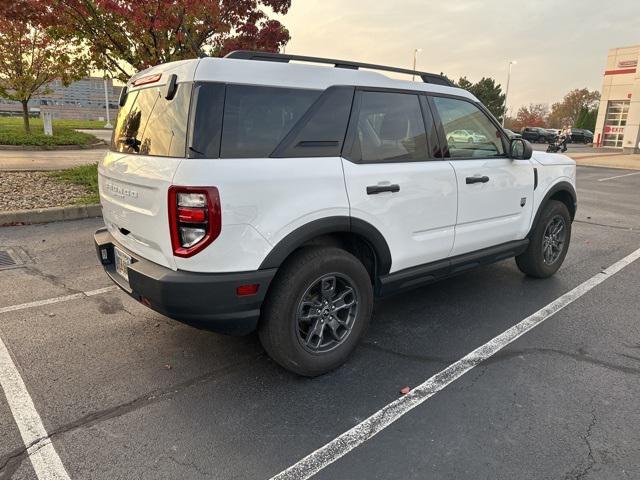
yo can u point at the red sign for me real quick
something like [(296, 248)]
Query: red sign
[(621, 71), (609, 129)]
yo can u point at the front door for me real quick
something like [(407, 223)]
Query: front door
[(495, 193)]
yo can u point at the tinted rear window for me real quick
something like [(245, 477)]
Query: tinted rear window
[(149, 124), (256, 119)]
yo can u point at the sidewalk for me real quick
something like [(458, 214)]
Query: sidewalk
[(613, 160), (103, 134), (48, 159)]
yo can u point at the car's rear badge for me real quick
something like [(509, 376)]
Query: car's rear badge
[(121, 192)]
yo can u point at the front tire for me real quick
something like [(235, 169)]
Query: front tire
[(318, 308), (549, 242)]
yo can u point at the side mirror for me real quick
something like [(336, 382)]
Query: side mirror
[(520, 149)]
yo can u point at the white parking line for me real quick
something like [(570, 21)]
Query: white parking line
[(343, 444), (63, 298), (618, 176), (41, 452), (43, 455)]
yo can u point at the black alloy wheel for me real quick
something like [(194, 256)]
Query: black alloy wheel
[(553, 240), (326, 313)]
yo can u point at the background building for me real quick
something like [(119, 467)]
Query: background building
[(618, 123), (83, 99)]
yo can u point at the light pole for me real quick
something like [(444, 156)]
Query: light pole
[(506, 92), (106, 103), (416, 51)]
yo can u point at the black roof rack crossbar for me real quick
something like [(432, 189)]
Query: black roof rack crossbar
[(285, 58)]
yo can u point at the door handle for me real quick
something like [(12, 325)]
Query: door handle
[(375, 189), (483, 179)]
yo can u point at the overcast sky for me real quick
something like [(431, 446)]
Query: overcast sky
[(558, 45)]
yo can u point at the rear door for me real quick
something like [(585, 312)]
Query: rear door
[(147, 146), (394, 180), (495, 193)]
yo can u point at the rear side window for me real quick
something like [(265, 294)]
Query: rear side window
[(469, 132), (389, 127), (149, 124), (321, 131), (208, 101), (256, 118)]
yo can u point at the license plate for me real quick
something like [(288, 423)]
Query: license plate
[(122, 262)]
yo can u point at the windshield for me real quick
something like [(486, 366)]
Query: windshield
[(149, 124)]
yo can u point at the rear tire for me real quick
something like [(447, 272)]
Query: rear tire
[(318, 307), (549, 242)]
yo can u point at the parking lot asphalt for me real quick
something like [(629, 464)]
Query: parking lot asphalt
[(126, 393)]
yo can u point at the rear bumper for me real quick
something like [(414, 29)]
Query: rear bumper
[(204, 300)]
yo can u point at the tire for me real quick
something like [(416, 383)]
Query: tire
[(297, 292), (533, 262), (450, 141), (470, 140)]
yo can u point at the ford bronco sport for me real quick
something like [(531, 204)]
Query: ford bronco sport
[(262, 192)]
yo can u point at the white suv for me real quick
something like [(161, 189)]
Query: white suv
[(250, 192)]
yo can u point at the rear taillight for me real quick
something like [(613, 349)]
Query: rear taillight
[(195, 218)]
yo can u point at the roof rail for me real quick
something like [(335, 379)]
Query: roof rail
[(286, 58)]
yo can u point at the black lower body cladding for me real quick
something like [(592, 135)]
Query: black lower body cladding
[(204, 300)]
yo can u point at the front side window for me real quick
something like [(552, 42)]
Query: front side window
[(469, 132), (389, 127), (149, 124), (257, 118)]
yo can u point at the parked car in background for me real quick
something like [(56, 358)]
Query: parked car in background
[(580, 135), (554, 133), (512, 134), (538, 134), (465, 136)]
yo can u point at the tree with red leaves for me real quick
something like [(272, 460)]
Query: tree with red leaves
[(533, 115), (31, 58), (125, 36)]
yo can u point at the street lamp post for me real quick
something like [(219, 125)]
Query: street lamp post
[(416, 51), (106, 103), (506, 92)]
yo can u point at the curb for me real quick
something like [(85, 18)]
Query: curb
[(46, 215), (614, 167)]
